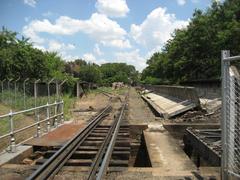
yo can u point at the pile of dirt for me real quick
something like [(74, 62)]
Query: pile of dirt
[(198, 116)]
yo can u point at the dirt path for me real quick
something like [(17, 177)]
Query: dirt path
[(139, 113)]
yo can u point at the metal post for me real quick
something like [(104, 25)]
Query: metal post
[(2, 83), (15, 91), (9, 96), (35, 97), (35, 91), (55, 114), (62, 109), (24, 92), (60, 87), (48, 88), (48, 120), (224, 74), (38, 126), (57, 90), (13, 148)]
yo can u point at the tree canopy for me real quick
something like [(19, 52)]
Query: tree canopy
[(194, 53), (19, 58)]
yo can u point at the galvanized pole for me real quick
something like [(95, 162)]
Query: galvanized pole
[(60, 86), (2, 83), (224, 74), (9, 96), (12, 140), (57, 90), (35, 91), (35, 97), (55, 114), (48, 120), (15, 91), (48, 88), (24, 92)]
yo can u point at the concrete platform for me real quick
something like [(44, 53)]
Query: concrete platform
[(22, 151), (168, 106), (165, 153), (57, 137)]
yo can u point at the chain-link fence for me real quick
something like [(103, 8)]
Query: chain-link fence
[(24, 94), (230, 116)]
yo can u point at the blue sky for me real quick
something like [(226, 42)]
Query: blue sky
[(99, 31)]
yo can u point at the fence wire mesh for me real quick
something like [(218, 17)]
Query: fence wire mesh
[(231, 118)]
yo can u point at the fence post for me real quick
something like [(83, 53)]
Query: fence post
[(62, 110), (35, 91), (2, 84), (57, 91), (13, 148), (15, 91), (48, 121), (48, 89), (55, 114), (24, 92), (224, 74), (9, 96), (60, 87), (38, 126)]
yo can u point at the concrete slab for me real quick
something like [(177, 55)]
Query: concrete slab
[(165, 153), (57, 137), (22, 151), (210, 105), (168, 106)]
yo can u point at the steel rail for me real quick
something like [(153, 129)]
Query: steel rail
[(108, 154), (51, 167), (97, 160)]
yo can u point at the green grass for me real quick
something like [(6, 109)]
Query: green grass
[(120, 91)]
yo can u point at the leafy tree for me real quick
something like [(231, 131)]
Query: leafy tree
[(193, 53)]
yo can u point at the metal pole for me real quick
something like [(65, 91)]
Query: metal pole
[(9, 96), (60, 86), (35, 97), (24, 92), (12, 140), (38, 126), (35, 91), (62, 109), (55, 114), (2, 83), (224, 74), (48, 88), (57, 91), (15, 91), (48, 120)]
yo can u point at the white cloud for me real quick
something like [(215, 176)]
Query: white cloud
[(116, 8), (156, 29), (89, 57), (133, 58), (97, 50), (59, 47), (181, 2), (98, 27), (31, 3)]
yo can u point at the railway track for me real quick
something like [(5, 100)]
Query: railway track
[(103, 145)]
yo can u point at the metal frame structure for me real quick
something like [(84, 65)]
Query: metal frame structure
[(230, 118), (11, 115)]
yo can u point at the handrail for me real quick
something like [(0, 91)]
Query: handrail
[(29, 110), (55, 117)]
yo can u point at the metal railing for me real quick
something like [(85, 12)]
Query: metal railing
[(230, 116), (57, 118)]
